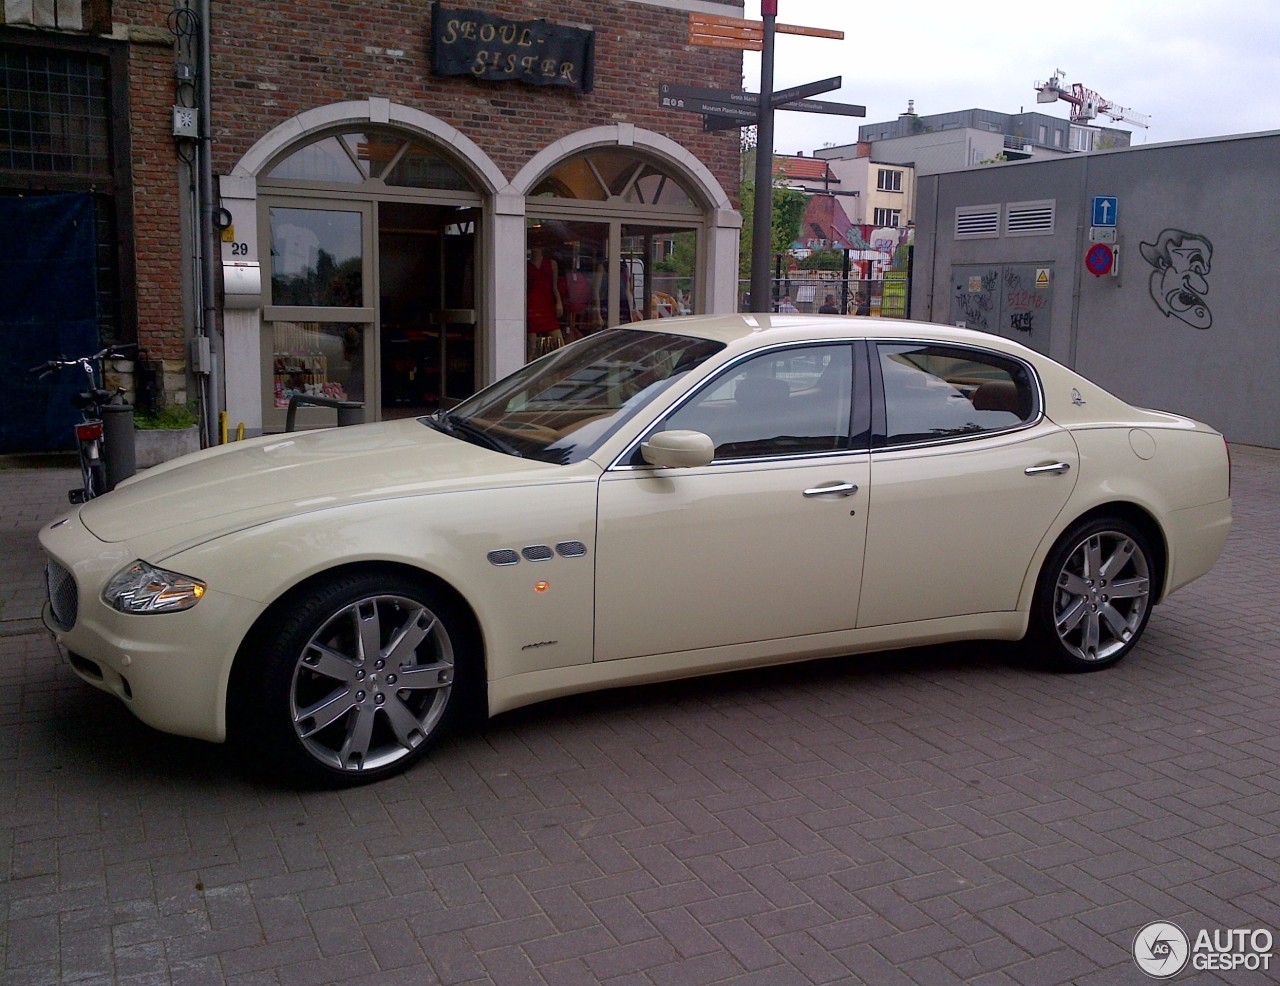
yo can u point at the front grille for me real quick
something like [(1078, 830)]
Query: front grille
[(64, 599)]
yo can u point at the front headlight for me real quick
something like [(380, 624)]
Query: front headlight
[(143, 588)]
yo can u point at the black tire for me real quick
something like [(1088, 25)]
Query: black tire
[(314, 706), (98, 478), (1094, 595), (93, 475)]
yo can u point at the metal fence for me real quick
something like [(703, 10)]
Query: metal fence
[(887, 297)]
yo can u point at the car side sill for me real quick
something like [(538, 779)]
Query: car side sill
[(515, 691)]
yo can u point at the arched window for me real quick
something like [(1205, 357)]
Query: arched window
[(618, 235), (602, 175), (355, 158)]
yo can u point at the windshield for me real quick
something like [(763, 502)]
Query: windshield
[(563, 406)]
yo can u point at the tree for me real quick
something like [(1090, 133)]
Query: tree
[(789, 206), (823, 260)]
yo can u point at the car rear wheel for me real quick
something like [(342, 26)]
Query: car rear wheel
[(357, 680), (1094, 596)]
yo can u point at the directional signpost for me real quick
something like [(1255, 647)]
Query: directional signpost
[(726, 108), (722, 110)]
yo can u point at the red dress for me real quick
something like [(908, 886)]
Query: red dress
[(542, 299)]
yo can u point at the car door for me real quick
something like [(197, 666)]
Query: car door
[(765, 542), (967, 476)]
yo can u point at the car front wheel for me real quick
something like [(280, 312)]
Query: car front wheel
[(1094, 595), (355, 682)]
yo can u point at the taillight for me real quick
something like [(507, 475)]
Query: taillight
[(88, 431)]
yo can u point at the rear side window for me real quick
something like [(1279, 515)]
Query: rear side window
[(933, 393)]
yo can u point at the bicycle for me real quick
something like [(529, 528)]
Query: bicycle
[(106, 457)]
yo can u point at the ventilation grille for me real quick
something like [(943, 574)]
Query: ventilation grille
[(64, 598), (538, 552), (571, 549), (978, 221), (505, 556), (1029, 218)]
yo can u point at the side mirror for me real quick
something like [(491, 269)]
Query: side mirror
[(678, 449)]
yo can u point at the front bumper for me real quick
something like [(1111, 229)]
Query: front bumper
[(170, 669)]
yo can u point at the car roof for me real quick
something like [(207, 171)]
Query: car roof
[(754, 329)]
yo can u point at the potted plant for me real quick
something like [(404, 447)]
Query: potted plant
[(165, 434)]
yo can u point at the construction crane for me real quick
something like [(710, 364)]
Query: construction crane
[(1085, 103)]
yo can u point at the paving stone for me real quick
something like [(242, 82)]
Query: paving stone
[(938, 815)]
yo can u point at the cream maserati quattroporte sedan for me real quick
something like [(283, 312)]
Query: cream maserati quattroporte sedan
[(687, 496)]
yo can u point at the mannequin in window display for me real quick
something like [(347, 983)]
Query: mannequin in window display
[(544, 307), (600, 294), (575, 295)]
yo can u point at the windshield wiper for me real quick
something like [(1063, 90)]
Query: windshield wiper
[(463, 428)]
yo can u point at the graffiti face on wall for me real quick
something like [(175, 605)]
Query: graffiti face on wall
[(1178, 283)]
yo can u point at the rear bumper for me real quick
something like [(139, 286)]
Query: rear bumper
[(1196, 538)]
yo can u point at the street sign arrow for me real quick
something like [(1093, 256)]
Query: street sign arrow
[(674, 91), (674, 96), (822, 106), (710, 107), (711, 123), (781, 96)]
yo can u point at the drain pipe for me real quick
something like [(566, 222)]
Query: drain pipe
[(207, 361)]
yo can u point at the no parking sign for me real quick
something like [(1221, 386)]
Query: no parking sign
[(1099, 258)]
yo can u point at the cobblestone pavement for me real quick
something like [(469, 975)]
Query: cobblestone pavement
[(942, 815)]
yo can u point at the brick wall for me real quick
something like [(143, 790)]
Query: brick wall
[(158, 240), (274, 60)]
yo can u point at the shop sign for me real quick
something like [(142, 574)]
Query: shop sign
[(539, 53)]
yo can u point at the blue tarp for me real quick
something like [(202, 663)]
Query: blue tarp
[(48, 308)]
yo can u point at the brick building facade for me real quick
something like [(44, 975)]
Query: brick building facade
[(376, 220)]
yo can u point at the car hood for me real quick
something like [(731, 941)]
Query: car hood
[(247, 483)]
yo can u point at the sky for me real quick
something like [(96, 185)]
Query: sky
[(1197, 68)]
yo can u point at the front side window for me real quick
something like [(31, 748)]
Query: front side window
[(563, 406), (787, 402), (934, 392)]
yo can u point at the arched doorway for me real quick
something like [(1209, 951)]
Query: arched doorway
[(369, 245)]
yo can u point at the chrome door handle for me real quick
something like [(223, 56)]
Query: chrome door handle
[(832, 489), (1055, 467)]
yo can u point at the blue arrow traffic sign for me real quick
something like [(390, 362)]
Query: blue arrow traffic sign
[(1105, 210)]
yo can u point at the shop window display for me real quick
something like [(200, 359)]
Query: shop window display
[(573, 289), (317, 359)]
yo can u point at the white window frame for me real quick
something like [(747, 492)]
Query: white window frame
[(889, 180)]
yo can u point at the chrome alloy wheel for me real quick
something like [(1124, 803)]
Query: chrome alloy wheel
[(372, 683), (1102, 596)]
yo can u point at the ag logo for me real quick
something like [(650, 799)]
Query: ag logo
[(1161, 949)]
